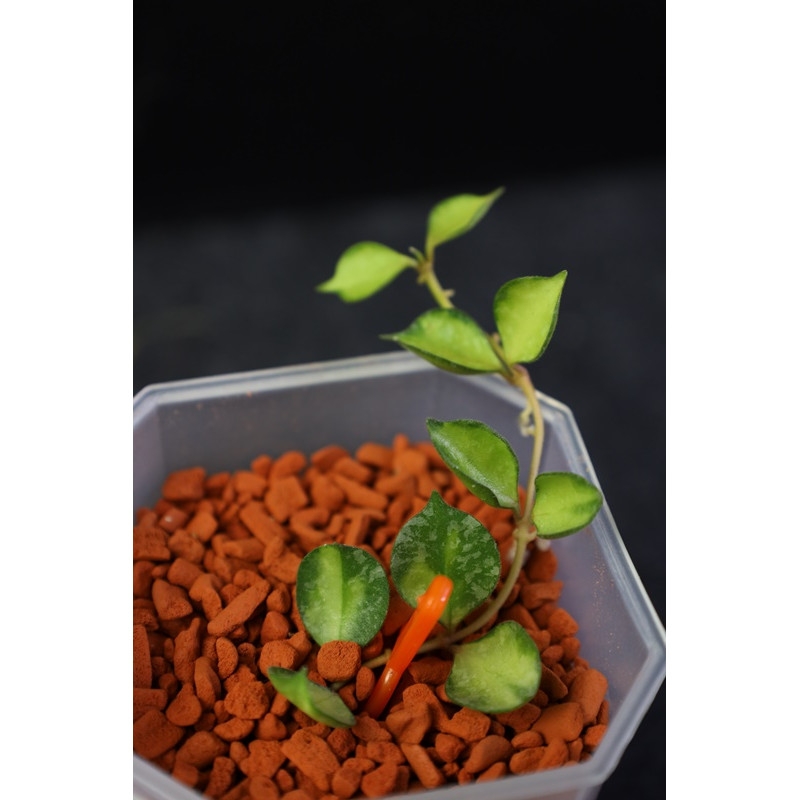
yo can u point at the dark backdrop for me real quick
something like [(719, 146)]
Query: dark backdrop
[(268, 139)]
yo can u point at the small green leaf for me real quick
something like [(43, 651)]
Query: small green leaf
[(363, 269), (526, 311), (319, 703), (442, 540), (481, 457), (565, 503), (450, 340), (456, 215), (496, 673), (342, 594)]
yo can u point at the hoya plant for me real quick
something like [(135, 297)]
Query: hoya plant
[(444, 562)]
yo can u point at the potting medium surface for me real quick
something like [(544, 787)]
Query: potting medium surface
[(236, 477), (215, 566)]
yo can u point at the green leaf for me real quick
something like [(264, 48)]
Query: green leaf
[(496, 673), (342, 594), (565, 503), (318, 702), (450, 340), (481, 457), (456, 215), (442, 540), (526, 311), (364, 269)]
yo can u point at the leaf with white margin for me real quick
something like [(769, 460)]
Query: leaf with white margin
[(481, 458)]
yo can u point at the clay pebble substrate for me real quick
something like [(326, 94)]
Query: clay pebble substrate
[(214, 569)]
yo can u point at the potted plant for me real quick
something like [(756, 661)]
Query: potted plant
[(226, 423)]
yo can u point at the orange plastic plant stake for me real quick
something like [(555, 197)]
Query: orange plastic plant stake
[(429, 608)]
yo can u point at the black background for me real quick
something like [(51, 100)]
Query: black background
[(268, 138)]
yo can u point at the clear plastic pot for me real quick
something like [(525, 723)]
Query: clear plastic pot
[(222, 423)]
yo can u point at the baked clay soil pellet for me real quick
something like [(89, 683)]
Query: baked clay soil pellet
[(339, 661), (214, 569)]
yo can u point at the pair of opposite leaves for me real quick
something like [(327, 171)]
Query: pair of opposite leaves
[(366, 267)]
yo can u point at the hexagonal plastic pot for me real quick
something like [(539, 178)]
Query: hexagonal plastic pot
[(222, 423)]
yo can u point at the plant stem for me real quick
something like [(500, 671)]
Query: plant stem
[(522, 380), (523, 535), (428, 277), (517, 376)]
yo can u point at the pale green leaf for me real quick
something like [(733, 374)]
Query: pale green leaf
[(451, 340), (364, 269), (496, 673), (342, 594), (318, 702), (480, 457), (565, 503), (526, 311), (442, 540), (456, 215)]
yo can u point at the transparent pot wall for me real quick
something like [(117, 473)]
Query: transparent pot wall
[(223, 423)]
